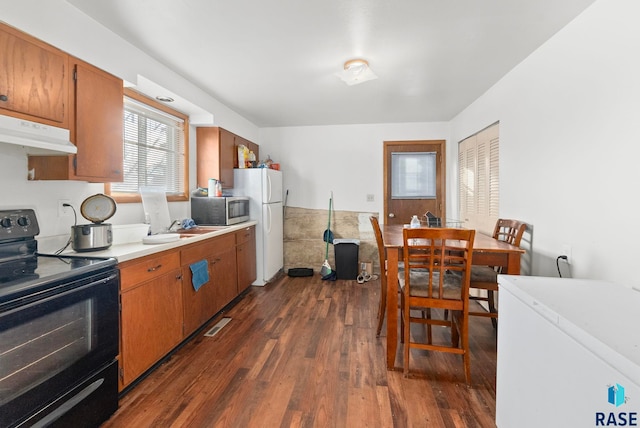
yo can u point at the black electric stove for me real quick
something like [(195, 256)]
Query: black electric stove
[(25, 271), (58, 331)]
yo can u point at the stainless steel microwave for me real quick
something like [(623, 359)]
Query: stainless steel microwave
[(219, 211)]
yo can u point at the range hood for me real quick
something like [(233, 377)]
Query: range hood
[(36, 138)]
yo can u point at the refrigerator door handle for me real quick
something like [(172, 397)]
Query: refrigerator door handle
[(269, 190), (268, 221)]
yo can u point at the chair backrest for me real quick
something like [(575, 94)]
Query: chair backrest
[(510, 231), (381, 251), (441, 256)]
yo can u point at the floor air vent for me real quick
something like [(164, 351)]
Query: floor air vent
[(216, 328)]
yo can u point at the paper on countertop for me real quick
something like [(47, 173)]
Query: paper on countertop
[(154, 202)]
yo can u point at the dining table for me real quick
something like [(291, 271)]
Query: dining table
[(487, 251)]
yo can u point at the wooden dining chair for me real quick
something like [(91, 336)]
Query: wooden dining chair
[(437, 269), (382, 254), (485, 278)]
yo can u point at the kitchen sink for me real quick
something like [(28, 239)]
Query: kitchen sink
[(198, 230)]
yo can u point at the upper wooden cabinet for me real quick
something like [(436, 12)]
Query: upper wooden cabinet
[(217, 155), (250, 145), (43, 84), (214, 154), (97, 128), (34, 79), (95, 121)]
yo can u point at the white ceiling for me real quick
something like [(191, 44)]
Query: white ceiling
[(274, 62)]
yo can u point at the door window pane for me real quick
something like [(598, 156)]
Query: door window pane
[(413, 175)]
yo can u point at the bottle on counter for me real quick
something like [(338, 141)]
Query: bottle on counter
[(242, 156), (415, 222), (211, 190)]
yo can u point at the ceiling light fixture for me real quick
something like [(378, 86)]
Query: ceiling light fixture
[(164, 99), (356, 71)]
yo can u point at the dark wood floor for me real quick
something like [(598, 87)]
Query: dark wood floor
[(302, 352)]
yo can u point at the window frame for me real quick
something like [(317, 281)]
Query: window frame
[(120, 197), (427, 162)]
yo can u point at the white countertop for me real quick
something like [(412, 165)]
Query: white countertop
[(132, 250)]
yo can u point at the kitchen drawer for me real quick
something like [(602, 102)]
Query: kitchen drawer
[(207, 249), (148, 268), (245, 235)]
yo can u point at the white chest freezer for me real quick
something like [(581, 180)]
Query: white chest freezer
[(568, 353)]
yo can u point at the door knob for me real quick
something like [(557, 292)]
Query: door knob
[(392, 215)]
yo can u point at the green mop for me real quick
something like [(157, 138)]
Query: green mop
[(325, 270)]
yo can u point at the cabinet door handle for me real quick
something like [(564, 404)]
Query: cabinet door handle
[(4, 98), (155, 268)]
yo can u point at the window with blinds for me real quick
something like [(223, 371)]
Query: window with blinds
[(154, 150), (413, 175), (479, 180)]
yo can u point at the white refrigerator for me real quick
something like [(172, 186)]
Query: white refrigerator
[(264, 188), (568, 353)]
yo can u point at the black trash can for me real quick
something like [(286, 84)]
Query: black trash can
[(346, 254)]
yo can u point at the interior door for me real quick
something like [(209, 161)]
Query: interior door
[(414, 180)]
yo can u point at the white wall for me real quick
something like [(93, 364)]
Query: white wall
[(65, 27), (569, 129), (345, 159), (569, 125)]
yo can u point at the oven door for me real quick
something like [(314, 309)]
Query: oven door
[(53, 341)]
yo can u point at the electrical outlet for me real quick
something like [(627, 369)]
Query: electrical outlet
[(62, 210), (566, 251), (370, 197)]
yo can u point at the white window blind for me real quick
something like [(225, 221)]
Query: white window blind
[(414, 175), (479, 179), (154, 149)]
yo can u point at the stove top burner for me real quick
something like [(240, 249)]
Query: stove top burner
[(43, 271), (18, 270)]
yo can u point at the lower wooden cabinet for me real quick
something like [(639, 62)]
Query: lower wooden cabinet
[(199, 306), (151, 315), (246, 257), (160, 307), (224, 277)]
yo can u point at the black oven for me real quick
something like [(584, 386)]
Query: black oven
[(58, 333)]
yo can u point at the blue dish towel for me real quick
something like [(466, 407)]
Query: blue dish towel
[(200, 274), (188, 223)]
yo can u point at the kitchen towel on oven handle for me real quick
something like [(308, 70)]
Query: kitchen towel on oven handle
[(200, 274)]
